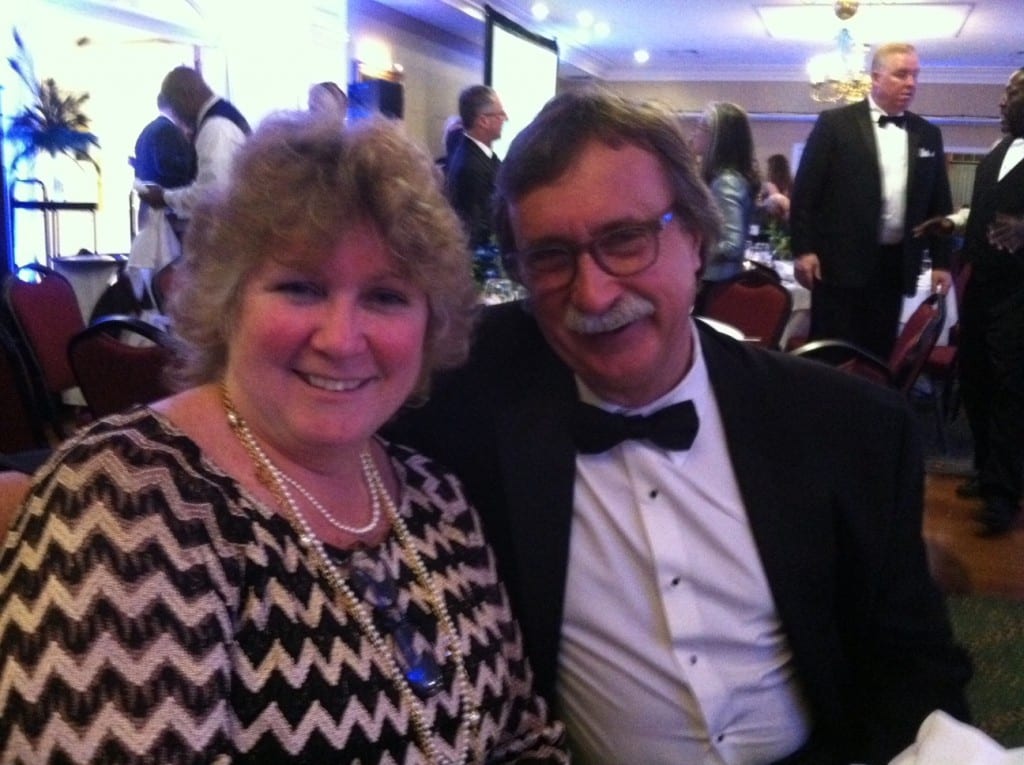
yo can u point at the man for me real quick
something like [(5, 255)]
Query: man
[(218, 130), (760, 597), (163, 154), (473, 166), (328, 99), (869, 173), (991, 340)]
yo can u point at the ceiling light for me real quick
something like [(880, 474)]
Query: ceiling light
[(641, 56), (840, 75), (872, 23), (540, 11), (602, 29), (585, 18)]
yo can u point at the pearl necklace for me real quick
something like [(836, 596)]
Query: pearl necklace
[(370, 525), (271, 476)]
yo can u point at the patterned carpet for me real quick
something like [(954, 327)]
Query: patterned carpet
[(992, 630), (953, 457)]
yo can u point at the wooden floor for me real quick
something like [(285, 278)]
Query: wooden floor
[(961, 561)]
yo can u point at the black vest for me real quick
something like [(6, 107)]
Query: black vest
[(222, 108)]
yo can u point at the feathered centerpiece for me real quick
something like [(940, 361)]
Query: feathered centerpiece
[(54, 122)]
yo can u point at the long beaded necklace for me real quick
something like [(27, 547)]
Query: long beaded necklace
[(271, 476)]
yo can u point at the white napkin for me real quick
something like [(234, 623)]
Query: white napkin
[(941, 740)]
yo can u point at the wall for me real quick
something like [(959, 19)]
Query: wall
[(437, 66), (783, 112)]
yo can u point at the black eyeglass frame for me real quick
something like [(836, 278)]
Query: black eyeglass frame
[(525, 261)]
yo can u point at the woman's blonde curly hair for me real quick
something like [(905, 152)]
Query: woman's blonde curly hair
[(298, 185)]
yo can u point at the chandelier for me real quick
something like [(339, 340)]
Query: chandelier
[(841, 75)]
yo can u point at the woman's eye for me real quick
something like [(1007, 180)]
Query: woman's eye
[(300, 289), (389, 297)]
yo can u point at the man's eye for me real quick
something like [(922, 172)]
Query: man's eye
[(623, 241), (553, 257)]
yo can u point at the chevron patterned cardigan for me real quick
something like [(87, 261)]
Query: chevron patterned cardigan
[(153, 612)]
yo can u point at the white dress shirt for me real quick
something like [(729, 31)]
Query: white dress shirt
[(672, 651), (892, 164), (216, 143), (1014, 154)]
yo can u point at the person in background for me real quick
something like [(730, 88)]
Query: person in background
[(163, 154), (328, 99), (246, 572), (743, 579), (218, 131), (473, 165), (869, 173), (723, 142), (775, 191), (991, 342), (451, 136)]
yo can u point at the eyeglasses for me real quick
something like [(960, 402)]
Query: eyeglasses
[(372, 581), (621, 251), (501, 114)]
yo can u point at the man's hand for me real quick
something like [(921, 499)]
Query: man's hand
[(940, 226), (807, 269), (1006, 232), (153, 196), (942, 281)]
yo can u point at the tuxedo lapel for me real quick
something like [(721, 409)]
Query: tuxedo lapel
[(537, 460), (865, 137)]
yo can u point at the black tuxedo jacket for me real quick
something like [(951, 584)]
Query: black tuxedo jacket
[(831, 475), (998, 272), (469, 184), (837, 196)]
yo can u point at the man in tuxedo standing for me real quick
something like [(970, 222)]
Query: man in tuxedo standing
[(991, 340), (472, 167), (869, 173), (742, 579)]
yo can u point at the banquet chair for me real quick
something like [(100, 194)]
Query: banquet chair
[(941, 364), (119, 361), (754, 301), (23, 425), (901, 370), (46, 314), (162, 285), (14, 486)]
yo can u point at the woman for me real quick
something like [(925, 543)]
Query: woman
[(723, 142), (245, 571), (774, 199)]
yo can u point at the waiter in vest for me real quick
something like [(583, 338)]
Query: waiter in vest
[(218, 129)]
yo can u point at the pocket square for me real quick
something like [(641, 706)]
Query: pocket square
[(925, 153)]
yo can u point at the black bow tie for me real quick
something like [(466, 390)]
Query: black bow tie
[(594, 430), (900, 120)]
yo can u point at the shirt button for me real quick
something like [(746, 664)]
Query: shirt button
[(676, 580), (653, 494), (693, 660), (720, 738)]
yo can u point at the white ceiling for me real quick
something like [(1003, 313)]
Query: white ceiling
[(726, 40)]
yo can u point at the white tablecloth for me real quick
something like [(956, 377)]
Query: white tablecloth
[(90, 275)]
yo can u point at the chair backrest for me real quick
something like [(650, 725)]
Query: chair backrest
[(916, 340), (23, 420), (119, 361), (162, 285), (753, 301), (47, 315)]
